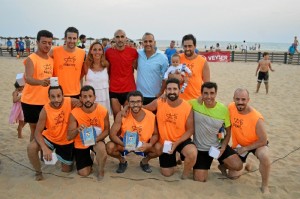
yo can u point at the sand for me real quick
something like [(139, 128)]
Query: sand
[(280, 109)]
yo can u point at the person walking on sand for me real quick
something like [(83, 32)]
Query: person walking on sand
[(262, 69)]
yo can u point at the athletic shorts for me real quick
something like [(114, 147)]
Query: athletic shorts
[(31, 112), (204, 161), (263, 76), (148, 100), (251, 151), (169, 160), (28, 50), (122, 97), (83, 157), (73, 96), (64, 153), (22, 50)]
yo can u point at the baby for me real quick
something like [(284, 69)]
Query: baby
[(177, 68)]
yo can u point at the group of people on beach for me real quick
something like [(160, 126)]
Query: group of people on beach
[(167, 118)]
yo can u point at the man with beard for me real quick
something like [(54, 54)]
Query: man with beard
[(68, 63), (89, 115), (152, 65), (38, 70), (175, 124), (122, 60), (249, 135), (137, 120), (54, 116), (197, 64), (210, 118)]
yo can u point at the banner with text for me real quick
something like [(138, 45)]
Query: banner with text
[(217, 56)]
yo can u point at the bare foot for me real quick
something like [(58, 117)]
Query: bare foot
[(249, 167), (265, 190), (39, 176), (100, 175), (223, 170)]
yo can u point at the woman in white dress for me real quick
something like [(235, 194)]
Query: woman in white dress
[(96, 74)]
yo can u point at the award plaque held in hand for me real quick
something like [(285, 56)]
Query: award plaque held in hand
[(130, 140), (88, 136)]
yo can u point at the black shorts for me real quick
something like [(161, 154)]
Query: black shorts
[(148, 100), (122, 97), (83, 157), (251, 151), (31, 112), (22, 50), (73, 96), (169, 160), (263, 76), (64, 153), (204, 160)]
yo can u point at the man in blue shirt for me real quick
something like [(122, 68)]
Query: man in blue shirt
[(151, 67), (171, 51), (9, 46), (21, 46)]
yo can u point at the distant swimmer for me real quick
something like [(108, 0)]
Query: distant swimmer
[(262, 69)]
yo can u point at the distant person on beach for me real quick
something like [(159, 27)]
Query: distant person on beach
[(68, 62), (17, 47), (249, 135), (262, 69), (291, 51), (296, 42), (38, 70), (151, 67), (178, 68), (212, 129), (197, 64), (175, 122), (21, 46), (138, 120), (16, 113), (244, 47), (96, 74), (171, 51), (81, 41), (122, 60), (93, 115), (105, 44), (27, 45), (51, 132), (9, 46)]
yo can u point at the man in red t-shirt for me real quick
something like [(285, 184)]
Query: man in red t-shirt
[(122, 61)]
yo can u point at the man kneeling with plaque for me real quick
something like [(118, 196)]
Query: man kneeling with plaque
[(137, 132), (89, 126)]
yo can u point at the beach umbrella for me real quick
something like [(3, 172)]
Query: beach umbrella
[(90, 39)]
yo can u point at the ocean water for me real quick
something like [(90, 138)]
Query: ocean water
[(205, 45)]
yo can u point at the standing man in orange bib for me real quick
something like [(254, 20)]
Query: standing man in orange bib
[(38, 70), (197, 64), (249, 135), (54, 116), (68, 63)]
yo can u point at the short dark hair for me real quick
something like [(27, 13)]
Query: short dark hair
[(189, 37), (55, 87), (209, 85), (82, 37), (17, 85), (135, 94), (173, 80), (265, 53), (44, 33), (148, 33), (71, 29), (87, 88)]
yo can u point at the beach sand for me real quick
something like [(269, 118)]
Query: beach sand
[(280, 109)]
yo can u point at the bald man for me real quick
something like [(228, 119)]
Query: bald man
[(249, 135)]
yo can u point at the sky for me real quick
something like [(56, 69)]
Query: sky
[(226, 20)]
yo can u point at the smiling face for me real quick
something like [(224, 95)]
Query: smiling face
[(56, 98), (71, 40), (97, 51), (120, 39), (135, 103), (189, 48), (209, 97), (87, 98), (149, 43), (45, 44), (241, 99), (172, 91)]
